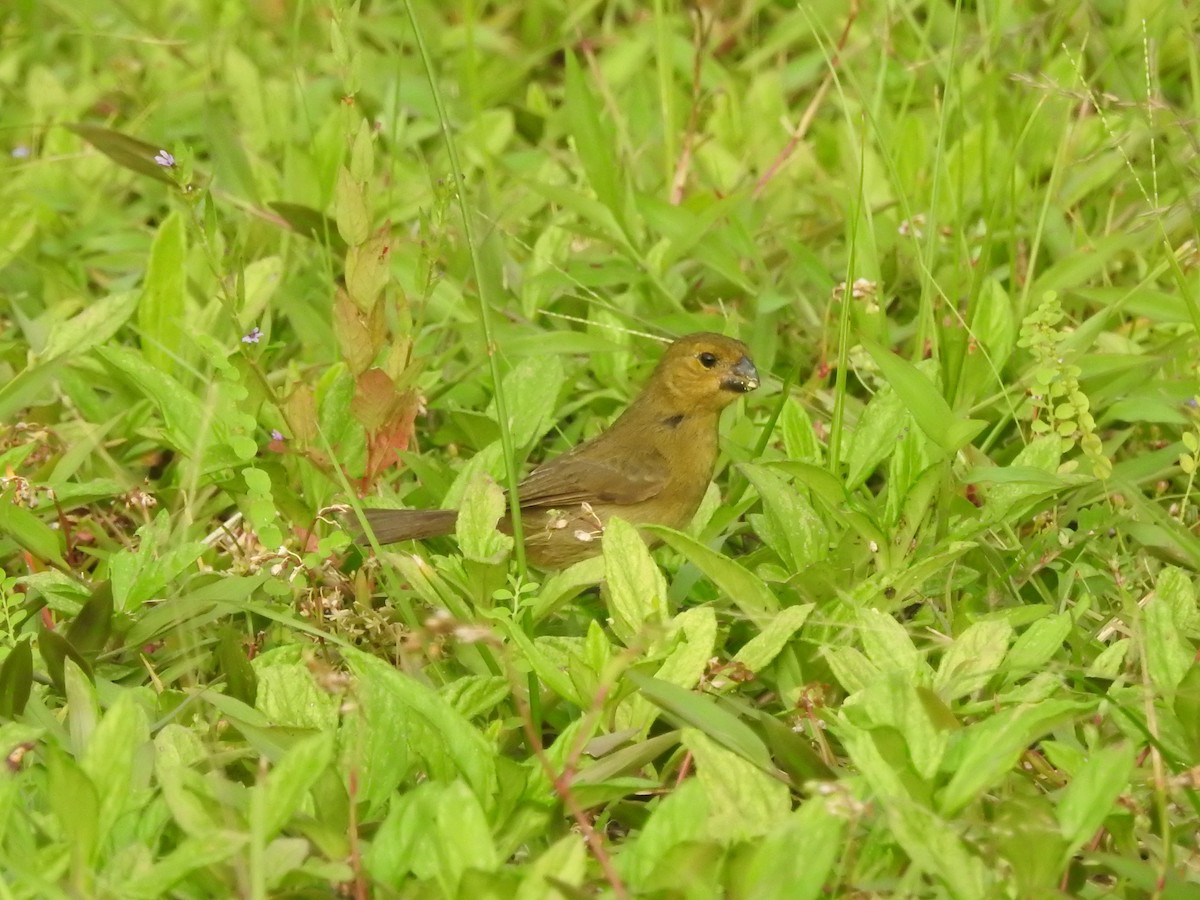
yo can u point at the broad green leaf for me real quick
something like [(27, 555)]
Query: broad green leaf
[(73, 799), (1168, 653), (931, 842), (875, 436), (889, 646), (95, 325), (16, 679), (481, 509), (531, 390), (679, 817), (930, 410), (973, 659), (761, 650), (162, 308), (744, 801), (29, 532), (393, 706), (1088, 800), (593, 138), (775, 867), (741, 586), (292, 777), (987, 750), (1036, 646), (111, 757), (798, 534), (635, 588), (691, 709)]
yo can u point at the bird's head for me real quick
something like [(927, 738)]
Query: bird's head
[(703, 371)]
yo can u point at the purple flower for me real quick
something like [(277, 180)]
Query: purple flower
[(253, 337), (276, 434), (164, 159), (21, 152)]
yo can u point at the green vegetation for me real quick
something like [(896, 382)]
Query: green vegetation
[(934, 631)]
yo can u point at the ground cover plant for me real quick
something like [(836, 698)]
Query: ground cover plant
[(934, 629)]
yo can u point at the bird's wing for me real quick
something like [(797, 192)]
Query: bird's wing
[(595, 478)]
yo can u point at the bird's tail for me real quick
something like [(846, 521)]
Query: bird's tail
[(391, 525)]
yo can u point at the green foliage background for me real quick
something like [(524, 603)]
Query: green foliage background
[(934, 631)]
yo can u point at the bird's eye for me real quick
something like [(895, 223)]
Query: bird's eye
[(708, 360)]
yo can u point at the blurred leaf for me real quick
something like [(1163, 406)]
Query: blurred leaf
[(353, 218), (972, 660), (311, 223), (593, 137), (111, 756), (1088, 800), (392, 704), (90, 629), (129, 152), (240, 681), (985, 751), (97, 323), (162, 307), (16, 679), (55, 650), (29, 532), (76, 805), (368, 271), (375, 399), (292, 777), (532, 390)]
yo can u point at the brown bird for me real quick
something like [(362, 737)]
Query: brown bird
[(652, 466)]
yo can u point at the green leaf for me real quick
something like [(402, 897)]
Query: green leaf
[(402, 716), (1169, 654), (16, 679), (973, 659), (129, 152), (478, 537), (95, 325), (111, 755), (774, 865), (240, 680), (761, 650), (162, 309), (593, 138), (1088, 800), (55, 650), (931, 843), (532, 390), (744, 801), (688, 708), (30, 532), (353, 218), (635, 589), (930, 410), (292, 777), (741, 586), (1036, 646), (988, 750), (89, 630), (76, 805), (801, 538), (889, 646)]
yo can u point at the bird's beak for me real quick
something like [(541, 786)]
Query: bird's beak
[(742, 378)]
